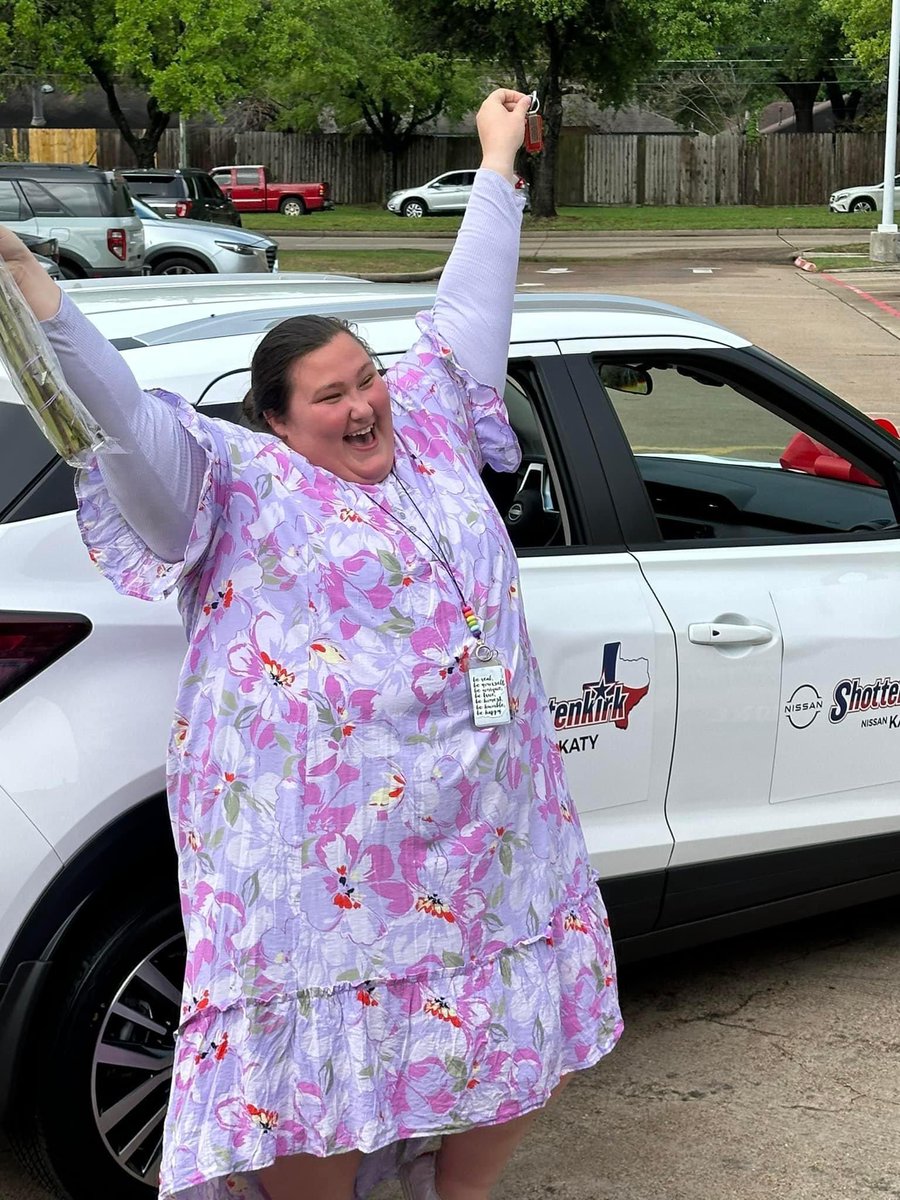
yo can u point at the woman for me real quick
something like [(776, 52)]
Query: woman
[(393, 929)]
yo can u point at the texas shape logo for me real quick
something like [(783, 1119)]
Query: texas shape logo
[(609, 700)]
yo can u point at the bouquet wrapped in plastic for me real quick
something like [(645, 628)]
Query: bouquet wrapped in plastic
[(36, 375)]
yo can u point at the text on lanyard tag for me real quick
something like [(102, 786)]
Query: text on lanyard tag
[(489, 694)]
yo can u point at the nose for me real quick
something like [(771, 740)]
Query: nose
[(360, 408)]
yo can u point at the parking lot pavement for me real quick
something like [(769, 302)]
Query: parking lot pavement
[(765, 1068), (825, 330)]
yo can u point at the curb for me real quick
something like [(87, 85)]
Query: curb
[(559, 234)]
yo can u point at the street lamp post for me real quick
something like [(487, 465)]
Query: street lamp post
[(883, 240)]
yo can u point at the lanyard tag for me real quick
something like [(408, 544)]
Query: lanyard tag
[(534, 133), (489, 693)]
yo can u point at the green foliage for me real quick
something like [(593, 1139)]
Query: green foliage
[(866, 24), (187, 55)]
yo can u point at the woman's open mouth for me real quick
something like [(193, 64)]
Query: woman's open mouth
[(363, 439)]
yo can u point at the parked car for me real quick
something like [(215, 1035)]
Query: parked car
[(710, 556), (198, 248), (182, 192), (86, 211), (46, 251), (869, 198), (251, 190), (446, 194)]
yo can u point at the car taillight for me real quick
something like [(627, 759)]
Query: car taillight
[(520, 182), (183, 208), (117, 242), (323, 190), (30, 642)]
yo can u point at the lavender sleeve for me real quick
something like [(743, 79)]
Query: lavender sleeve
[(156, 482), (473, 306)]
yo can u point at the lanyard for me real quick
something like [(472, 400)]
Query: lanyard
[(483, 652)]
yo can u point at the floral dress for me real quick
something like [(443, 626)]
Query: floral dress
[(393, 927)]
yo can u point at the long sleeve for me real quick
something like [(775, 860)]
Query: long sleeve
[(156, 475), (473, 306)]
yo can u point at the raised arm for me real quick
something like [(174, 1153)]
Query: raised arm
[(473, 306), (155, 475)]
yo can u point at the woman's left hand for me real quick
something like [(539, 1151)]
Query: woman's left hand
[(501, 128)]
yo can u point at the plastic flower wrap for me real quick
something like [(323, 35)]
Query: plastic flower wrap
[(35, 373)]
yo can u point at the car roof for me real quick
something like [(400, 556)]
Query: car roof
[(79, 172), (147, 313), (159, 171)]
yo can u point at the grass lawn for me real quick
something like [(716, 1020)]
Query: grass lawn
[(836, 258), (360, 262), (371, 218)]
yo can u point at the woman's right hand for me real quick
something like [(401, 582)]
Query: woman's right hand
[(40, 292)]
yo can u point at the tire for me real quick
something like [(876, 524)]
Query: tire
[(70, 271), (179, 264), (133, 961), (863, 204), (292, 206), (414, 209)]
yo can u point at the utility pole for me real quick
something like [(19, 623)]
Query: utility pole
[(183, 138), (883, 240)]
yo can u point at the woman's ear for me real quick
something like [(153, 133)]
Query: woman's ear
[(275, 423)]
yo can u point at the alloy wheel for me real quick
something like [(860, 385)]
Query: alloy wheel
[(134, 1059)]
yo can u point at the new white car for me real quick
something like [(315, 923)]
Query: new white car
[(710, 560), (869, 198)]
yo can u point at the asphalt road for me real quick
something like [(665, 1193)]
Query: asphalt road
[(766, 1068), (751, 245)]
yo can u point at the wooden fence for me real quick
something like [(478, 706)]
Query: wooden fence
[(699, 169)]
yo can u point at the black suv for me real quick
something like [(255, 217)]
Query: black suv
[(182, 192)]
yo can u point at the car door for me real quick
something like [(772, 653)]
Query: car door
[(248, 192), (763, 514), (444, 193), (604, 646)]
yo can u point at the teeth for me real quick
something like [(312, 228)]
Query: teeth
[(362, 433)]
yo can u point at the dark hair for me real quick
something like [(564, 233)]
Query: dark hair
[(273, 358)]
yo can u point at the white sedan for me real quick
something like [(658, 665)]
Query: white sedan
[(710, 559), (869, 198)]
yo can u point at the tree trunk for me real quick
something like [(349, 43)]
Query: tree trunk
[(802, 97), (143, 147), (543, 174)]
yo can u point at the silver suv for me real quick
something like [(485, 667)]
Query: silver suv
[(87, 211)]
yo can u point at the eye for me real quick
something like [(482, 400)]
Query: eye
[(367, 380)]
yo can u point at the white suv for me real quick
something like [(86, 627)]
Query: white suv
[(711, 565), (87, 211)]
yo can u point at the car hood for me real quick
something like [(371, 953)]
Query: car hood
[(202, 234)]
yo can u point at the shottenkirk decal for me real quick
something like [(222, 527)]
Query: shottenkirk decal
[(851, 696), (609, 700)]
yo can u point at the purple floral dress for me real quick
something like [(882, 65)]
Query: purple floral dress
[(393, 928)]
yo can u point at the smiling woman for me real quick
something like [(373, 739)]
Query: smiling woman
[(428, 954)]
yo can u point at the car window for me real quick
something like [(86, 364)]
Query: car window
[(24, 451), (246, 175), (207, 187), (156, 185), (454, 179), (68, 198), (717, 464), (467, 179), (11, 207)]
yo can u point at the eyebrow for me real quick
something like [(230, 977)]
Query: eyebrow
[(339, 383)]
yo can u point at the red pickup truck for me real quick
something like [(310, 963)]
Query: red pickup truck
[(251, 190)]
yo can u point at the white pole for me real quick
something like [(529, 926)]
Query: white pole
[(183, 142), (888, 225)]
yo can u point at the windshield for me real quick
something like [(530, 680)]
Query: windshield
[(156, 185), (145, 212)]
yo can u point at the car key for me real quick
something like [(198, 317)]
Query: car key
[(534, 127)]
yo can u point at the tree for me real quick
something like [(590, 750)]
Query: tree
[(187, 55), (866, 24), (554, 47), (360, 62)]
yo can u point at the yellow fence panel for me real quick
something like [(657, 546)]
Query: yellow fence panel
[(62, 145)]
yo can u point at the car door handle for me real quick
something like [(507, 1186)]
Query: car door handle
[(723, 633)]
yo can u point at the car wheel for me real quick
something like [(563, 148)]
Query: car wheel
[(70, 271), (91, 1123), (179, 265), (413, 208), (862, 204), (293, 206)]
